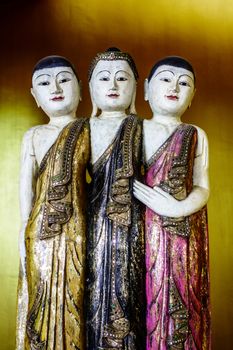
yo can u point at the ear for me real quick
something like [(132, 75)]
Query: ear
[(80, 90), (194, 91), (34, 95), (146, 89), (94, 112), (132, 108)]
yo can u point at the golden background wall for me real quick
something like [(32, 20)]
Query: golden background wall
[(200, 30)]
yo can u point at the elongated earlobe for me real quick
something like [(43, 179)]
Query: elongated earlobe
[(33, 94), (194, 93), (94, 112), (146, 87), (80, 90), (132, 108), (192, 98)]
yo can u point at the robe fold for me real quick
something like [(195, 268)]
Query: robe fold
[(115, 297), (177, 272), (55, 239)]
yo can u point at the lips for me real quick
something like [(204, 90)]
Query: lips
[(57, 98), (172, 97), (113, 95)]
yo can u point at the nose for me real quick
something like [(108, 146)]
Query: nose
[(55, 87), (113, 84), (174, 87)]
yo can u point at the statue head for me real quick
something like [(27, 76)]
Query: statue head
[(56, 86), (170, 86), (112, 80)]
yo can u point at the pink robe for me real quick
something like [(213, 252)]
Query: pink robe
[(177, 272)]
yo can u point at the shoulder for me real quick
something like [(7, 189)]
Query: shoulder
[(201, 134), (93, 121), (28, 140), (149, 124), (33, 134), (30, 133), (202, 142), (147, 121)]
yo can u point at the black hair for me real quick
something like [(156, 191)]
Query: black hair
[(54, 61), (175, 61)]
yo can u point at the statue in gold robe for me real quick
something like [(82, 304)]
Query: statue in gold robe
[(53, 206)]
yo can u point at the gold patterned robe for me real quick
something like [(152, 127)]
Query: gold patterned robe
[(55, 246)]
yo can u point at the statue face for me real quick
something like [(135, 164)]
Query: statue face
[(112, 85), (170, 91), (56, 90)]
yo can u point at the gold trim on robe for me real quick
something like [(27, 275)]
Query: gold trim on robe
[(56, 245)]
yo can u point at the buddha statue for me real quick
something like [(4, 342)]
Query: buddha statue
[(115, 298)]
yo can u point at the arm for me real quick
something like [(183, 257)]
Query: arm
[(164, 204), (26, 187)]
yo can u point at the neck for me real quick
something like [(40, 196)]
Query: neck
[(62, 120), (112, 115), (166, 119)]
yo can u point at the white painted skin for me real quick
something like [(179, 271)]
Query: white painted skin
[(56, 90), (170, 93), (113, 90)]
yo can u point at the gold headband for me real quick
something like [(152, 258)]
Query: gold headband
[(113, 56)]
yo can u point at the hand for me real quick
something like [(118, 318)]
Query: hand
[(157, 200), (164, 204)]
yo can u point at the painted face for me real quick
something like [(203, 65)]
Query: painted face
[(170, 91), (56, 90), (112, 85)]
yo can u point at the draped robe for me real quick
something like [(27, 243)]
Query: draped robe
[(55, 239), (115, 297), (177, 275)]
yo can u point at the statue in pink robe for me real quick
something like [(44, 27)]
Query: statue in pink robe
[(177, 280), (175, 193)]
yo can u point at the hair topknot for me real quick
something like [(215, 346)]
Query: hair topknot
[(113, 54)]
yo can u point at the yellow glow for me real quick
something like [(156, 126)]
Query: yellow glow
[(201, 30), (149, 17)]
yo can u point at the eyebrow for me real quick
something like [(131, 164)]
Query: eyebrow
[(104, 70), (167, 70), (119, 71), (49, 75), (64, 71), (41, 75), (124, 71), (186, 76)]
